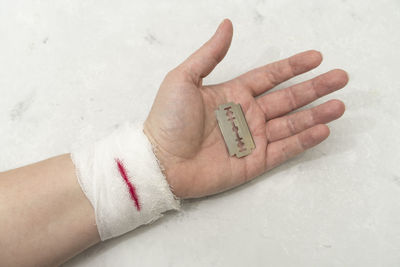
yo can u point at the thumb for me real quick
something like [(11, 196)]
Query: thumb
[(204, 60)]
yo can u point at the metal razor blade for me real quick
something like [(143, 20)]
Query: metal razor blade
[(234, 129)]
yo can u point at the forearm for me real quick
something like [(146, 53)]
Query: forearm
[(45, 218)]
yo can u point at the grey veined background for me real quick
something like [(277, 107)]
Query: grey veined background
[(68, 64)]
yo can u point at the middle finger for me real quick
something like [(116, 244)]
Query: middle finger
[(283, 101)]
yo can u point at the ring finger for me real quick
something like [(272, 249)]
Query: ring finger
[(292, 124)]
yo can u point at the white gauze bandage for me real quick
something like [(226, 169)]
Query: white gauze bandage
[(122, 179)]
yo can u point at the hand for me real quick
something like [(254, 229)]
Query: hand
[(183, 128)]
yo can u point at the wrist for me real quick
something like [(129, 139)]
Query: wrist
[(163, 159), (122, 179)]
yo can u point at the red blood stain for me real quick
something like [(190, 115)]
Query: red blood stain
[(131, 187)]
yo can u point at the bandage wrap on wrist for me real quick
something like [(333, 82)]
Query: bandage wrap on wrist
[(122, 179)]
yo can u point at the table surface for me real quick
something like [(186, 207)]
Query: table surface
[(65, 65)]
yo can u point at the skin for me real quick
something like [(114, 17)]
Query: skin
[(46, 218), (189, 145)]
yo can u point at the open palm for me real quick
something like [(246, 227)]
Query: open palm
[(183, 128)]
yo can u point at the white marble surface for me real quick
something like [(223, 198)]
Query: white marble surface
[(67, 64)]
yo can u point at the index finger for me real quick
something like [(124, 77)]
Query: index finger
[(264, 78)]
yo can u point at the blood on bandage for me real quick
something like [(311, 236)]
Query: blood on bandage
[(131, 187)]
